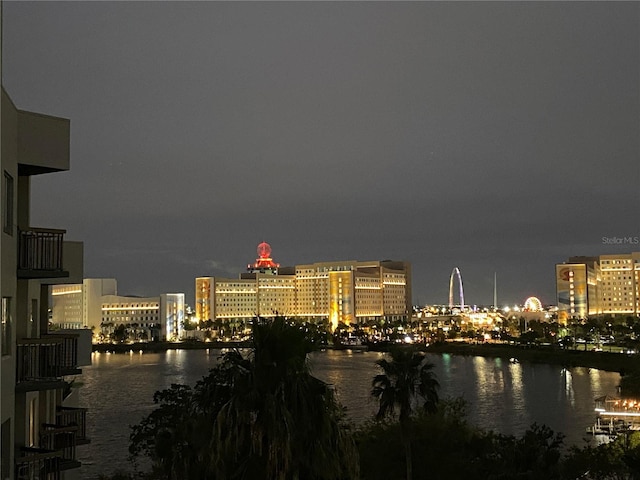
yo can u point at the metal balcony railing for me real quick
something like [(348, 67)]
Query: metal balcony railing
[(56, 453), (38, 464), (60, 438), (46, 359), (38, 359), (74, 417), (40, 253), (68, 359)]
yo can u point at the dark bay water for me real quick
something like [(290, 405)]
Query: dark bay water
[(118, 390)]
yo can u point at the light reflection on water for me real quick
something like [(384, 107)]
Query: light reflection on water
[(506, 397), (567, 377)]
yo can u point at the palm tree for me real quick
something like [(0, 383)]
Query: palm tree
[(407, 378), (261, 415), (280, 423)]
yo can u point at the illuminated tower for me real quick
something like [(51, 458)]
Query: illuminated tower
[(205, 288), (456, 272), (264, 262)]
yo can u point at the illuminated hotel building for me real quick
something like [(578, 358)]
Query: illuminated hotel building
[(619, 282), (353, 291), (347, 291), (79, 305), (160, 318), (576, 287), (245, 298), (95, 304), (607, 284)]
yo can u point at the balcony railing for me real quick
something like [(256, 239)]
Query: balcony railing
[(57, 451), (62, 439), (68, 359), (46, 359), (40, 253), (38, 464), (74, 417)]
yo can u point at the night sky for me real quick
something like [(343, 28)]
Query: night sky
[(494, 137)]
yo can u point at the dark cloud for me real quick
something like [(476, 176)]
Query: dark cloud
[(493, 136)]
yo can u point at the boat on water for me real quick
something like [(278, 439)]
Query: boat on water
[(614, 416)]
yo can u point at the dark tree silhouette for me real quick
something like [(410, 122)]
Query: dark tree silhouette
[(406, 379)]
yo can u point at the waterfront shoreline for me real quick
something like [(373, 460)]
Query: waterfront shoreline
[(157, 347), (607, 361), (119, 388)]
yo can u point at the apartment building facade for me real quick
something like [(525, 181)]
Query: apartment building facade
[(39, 427)]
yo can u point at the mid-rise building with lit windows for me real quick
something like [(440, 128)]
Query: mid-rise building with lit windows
[(606, 284), (204, 298), (353, 291), (172, 314), (96, 305), (619, 283), (345, 291), (79, 305), (264, 295), (144, 318)]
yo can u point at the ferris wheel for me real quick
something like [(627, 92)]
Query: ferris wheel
[(532, 304)]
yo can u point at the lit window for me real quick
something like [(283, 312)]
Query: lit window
[(7, 211), (5, 328)]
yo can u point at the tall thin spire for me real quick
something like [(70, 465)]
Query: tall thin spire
[(495, 291)]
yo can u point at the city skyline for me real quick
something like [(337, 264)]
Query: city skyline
[(492, 137)]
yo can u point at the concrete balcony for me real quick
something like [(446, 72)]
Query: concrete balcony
[(43, 143), (38, 463), (57, 450), (61, 438), (84, 344), (42, 362), (74, 417), (40, 254), (57, 453)]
